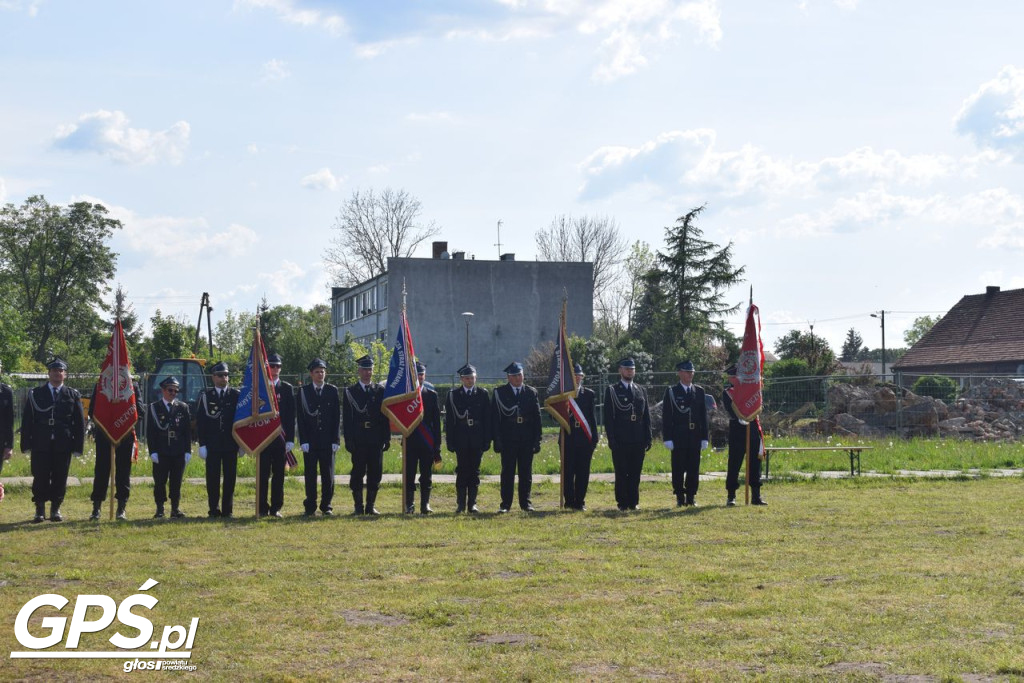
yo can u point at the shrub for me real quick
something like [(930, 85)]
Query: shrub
[(935, 386)]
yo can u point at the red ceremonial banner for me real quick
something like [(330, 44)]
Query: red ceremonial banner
[(747, 384), (114, 409)]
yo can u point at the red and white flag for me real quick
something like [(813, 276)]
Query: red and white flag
[(749, 379), (114, 409)]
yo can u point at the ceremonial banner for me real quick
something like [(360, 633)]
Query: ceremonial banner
[(561, 400), (257, 419), (115, 411), (747, 384), (402, 402)]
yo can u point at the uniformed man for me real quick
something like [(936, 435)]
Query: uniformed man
[(52, 430), (124, 454), (423, 448), (367, 435), (169, 437), (215, 419), (274, 457), (579, 448), (319, 419), (6, 422), (467, 428), (738, 449), (627, 426), (685, 432), (515, 416)]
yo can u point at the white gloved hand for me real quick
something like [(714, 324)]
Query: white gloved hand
[(743, 422), (289, 445), (202, 452), (669, 445), (305, 448), (334, 448), (188, 456), (154, 457), (703, 444)]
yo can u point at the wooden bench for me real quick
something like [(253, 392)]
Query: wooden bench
[(853, 451)]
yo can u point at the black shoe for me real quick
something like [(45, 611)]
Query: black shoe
[(372, 511), (731, 502), (277, 514), (582, 508), (460, 509), (758, 501), (327, 513), (502, 510), (227, 515), (40, 517), (55, 516), (121, 512), (426, 509), (159, 512), (528, 508), (622, 508), (309, 513), (680, 501), (95, 516), (634, 507), (176, 513), (410, 509), (474, 509), (211, 513)]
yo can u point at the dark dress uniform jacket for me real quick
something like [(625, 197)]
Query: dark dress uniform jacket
[(516, 419), (684, 416), (467, 422), (364, 425), (431, 422), (319, 417), (286, 405), (215, 418), (6, 418), (627, 417), (576, 438), (57, 428), (168, 433)]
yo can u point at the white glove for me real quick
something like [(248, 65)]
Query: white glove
[(76, 455), (742, 422), (188, 456), (305, 448), (703, 444), (334, 448), (202, 452), (669, 445), (289, 445), (154, 458)]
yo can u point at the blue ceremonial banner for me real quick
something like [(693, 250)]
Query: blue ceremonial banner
[(257, 420), (402, 401)]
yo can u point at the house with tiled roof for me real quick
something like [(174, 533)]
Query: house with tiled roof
[(983, 334)]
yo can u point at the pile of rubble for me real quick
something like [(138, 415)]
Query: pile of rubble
[(992, 410)]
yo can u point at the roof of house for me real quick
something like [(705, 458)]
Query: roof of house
[(980, 328)]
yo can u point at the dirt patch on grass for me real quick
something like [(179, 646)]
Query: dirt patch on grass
[(595, 671), (357, 617), (503, 639), (870, 668), (510, 575)]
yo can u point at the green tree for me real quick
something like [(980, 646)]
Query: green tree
[(14, 345), (936, 386), (301, 335), (790, 383), (233, 333), (809, 347), (919, 328), (851, 346), (171, 338), (55, 263)]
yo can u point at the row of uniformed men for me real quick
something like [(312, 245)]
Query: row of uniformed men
[(475, 421)]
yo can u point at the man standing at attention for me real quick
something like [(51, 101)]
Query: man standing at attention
[(515, 415), (685, 431), (215, 415), (52, 429), (319, 418), (274, 457), (169, 437), (367, 435), (467, 428), (423, 448), (579, 447), (6, 422), (627, 425)]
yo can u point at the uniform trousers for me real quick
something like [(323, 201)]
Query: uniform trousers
[(467, 468), (368, 462), (577, 474), (122, 469), (513, 457), (323, 459), (225, 460), (628, 461), (170, 469), (49, 473), (272, 473), (686, 468), (418, 458)]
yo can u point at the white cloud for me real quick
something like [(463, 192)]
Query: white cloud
[(296, 285), (288, 12), (275, 70), (3, 191), (376, 49), (252, 148), (108, 133), (323, 180), (31, 7), (994, 115), (430, 117)]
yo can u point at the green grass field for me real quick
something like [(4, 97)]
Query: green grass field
[(852, 579)]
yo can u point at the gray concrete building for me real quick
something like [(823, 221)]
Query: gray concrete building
[(515, 307)]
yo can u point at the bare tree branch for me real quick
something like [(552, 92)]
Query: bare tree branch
[(586, 238)]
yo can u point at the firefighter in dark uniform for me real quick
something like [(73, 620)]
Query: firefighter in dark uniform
[(275, 456), (627, 426), (423, 447), (367, 435), (124, 454), (6, 423), (738, 448), (319, 420), (579, 448), (515, 417), (685, 431), (215, 419), (169, 438), (52, 430), (467, 429)]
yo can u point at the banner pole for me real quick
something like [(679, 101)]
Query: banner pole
[(112, 461), (746, 460), (405, 479), (561, 468)]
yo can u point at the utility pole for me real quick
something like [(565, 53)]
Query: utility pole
[(498, 245), (881, 315)]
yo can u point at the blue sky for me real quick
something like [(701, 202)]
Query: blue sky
[(861, 155)]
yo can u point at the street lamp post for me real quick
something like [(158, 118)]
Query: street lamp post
[(881, 316), (467, 316)]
